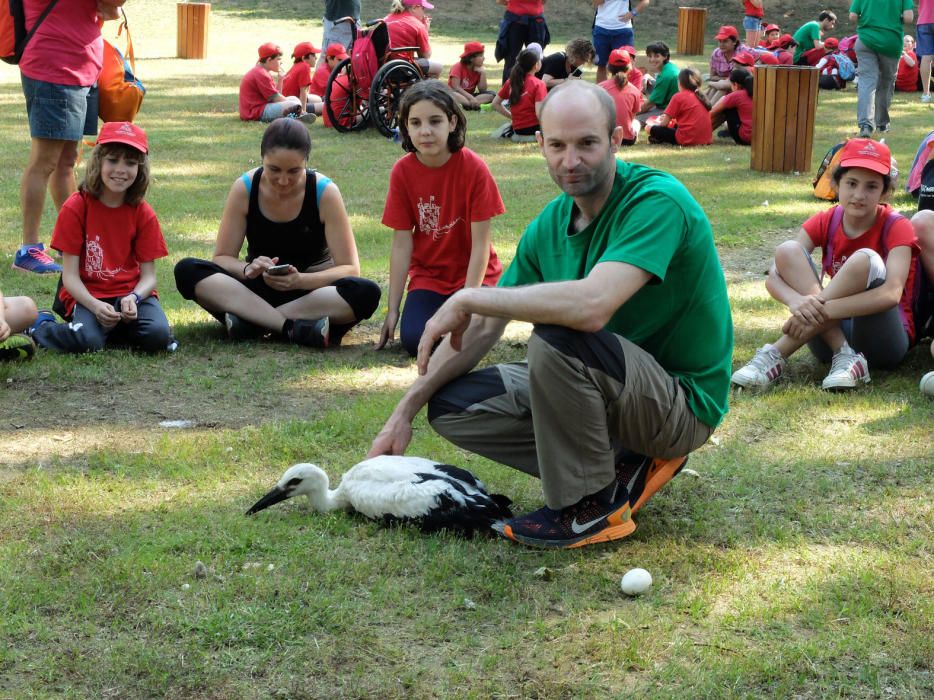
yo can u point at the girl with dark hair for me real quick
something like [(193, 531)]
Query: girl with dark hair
[(300, 278), (110, 239), (869, 312), (525, 93), (691, 110), (468, 78), (735, 108), (440, 203)]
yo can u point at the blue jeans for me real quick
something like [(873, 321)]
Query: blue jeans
[(149, 332), (420, 305)]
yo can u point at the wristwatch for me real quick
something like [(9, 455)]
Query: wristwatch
[(634, 13)]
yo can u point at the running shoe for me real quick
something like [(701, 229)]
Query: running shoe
[(847, 369), (45, 316), (313, 333), (643, 476), (238, 329), (766, 367), (17, 347), (601, 517), (35, 259)]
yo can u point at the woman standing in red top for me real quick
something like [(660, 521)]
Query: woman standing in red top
[(408, 26), (752, 21), (691, 110), (523, 24)]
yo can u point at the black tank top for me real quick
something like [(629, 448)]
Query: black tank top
[(300, 242)]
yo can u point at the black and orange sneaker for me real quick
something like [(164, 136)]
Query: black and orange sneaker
[(593, 519), (643, 476)]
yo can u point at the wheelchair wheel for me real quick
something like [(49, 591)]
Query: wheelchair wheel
[(388, 85), (345, 109)]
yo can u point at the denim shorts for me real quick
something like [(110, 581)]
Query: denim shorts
[(60, 112), (752, 24), (925, 38), (605, 40)]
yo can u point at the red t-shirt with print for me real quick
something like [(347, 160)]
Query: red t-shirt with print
[(463, 77), (694, 127), (742, 103), (256, 88), (438, 205), (299, 76), (112, 242), (901, 232), (523, 111)]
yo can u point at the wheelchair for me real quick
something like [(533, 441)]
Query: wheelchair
[(367, 86)]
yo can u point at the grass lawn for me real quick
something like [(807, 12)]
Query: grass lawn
[(795, 563)]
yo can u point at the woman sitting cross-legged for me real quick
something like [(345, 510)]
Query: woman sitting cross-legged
[(300, 277)]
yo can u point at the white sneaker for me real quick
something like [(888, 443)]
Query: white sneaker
[(762, 370), (925, 98), (846, 370)]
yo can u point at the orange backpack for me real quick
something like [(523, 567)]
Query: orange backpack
[(13, 34), (121, 92), (824, 187)]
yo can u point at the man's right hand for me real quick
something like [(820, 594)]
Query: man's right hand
[(392, 439)]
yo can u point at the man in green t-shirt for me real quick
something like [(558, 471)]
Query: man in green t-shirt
[(629, 360), (879, 35), (810, 35)]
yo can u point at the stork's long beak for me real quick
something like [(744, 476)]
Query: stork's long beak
[(275, 496)]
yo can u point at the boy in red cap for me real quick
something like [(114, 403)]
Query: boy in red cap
[(864, 316), (771, 34), (297, 81), (468, 78), (828, 68), (334, 54), (260, 96)]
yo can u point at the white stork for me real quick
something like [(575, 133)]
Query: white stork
[(431, 495)]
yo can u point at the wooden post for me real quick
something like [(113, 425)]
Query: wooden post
[(691, 22), (784, 106), (193, 29)]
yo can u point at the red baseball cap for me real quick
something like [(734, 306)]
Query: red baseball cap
[(831, 43), (268, 49), (336, 51), (124, 132), (772, 28), (303, 49), (727, 32), (866, 153), (619, 58), (423, 3), (472, 47), (768, 59), (744, 58), (631, 50), (786, 40)]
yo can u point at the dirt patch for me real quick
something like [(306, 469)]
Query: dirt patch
[(752, 262)]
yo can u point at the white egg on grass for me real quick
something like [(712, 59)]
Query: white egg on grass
[(636, 582), (927, 384)]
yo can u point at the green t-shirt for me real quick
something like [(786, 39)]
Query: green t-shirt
[(666, 85), (682, 316), (805, 37), (880, 25)]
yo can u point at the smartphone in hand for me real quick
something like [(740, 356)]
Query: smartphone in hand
[(577, 72), (278, 270)]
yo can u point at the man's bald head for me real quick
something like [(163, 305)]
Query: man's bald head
[(584, 97)]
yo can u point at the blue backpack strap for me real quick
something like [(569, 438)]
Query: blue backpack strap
[(890, 220), (835, 220)]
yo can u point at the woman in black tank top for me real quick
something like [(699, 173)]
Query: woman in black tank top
[(300, 277)]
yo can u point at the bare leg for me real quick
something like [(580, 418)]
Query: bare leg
[(45, 158), (601, 74), (926, 74), (923, 223), (220, 293), (318, 304), (20, 313), (62, 183)]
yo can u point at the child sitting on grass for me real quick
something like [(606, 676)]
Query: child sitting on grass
[(627, 96), (525, 93), (110, 239), (735, 108), (867, 313), (468, 78), (691, 110), (297, 82), (16, 315)]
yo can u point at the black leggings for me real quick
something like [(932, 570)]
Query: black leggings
[(663, 134), (733, 124), (362, 295)]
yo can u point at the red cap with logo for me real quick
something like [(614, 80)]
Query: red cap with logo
[(336, 51), (727, 32), (124, 132), (303, 49), (268, 49), (744, 58), (866, 153)]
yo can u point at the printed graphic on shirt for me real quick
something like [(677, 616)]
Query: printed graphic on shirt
[(429, 214), (94, 261)]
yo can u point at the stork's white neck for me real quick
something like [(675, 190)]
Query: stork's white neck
[(324, 500)]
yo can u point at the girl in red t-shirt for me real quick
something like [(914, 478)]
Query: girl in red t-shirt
[(297, 82), (525, 93), (440, 202), (468, 78), (907, 79), (690, 110), (627, 96), (735, 108), (865, 314), (110, 239)]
